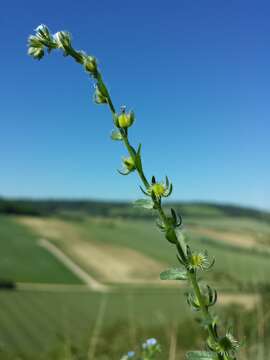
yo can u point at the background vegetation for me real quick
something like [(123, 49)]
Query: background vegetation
[(53, 314)]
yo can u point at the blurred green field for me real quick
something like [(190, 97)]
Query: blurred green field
[(79, 323), (23, 260)]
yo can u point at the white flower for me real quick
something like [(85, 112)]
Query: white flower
[(41, 27), (37, 53), (62, 39)]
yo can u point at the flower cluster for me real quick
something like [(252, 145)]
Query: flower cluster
[(37, 43), (149, 349), (43, 39)]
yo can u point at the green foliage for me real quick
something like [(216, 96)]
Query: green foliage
[(144, 203), (201, 355), (24, 260), (116, 135), (173, 274)]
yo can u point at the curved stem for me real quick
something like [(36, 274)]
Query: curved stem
[(191, 274), (168, 225)]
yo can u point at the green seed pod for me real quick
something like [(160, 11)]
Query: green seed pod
[(99, 98), (129, 164), (124, 120), (90, 64)]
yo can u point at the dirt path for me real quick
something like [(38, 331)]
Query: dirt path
[(50, 287), (235, 239), (248, 301), (112, 263), (72, 266)]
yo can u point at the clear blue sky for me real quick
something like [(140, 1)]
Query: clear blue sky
[(197, 74)]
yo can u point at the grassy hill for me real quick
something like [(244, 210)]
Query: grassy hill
[(52, 315), (122, 209)]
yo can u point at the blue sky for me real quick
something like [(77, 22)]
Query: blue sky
[(196, 74)]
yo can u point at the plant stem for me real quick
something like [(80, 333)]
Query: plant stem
[(131, 153), (169, 224), (191, 274), (193, 279)]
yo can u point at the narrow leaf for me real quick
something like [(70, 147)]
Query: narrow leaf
[(138, 161), (181, 241), (171, 235), (116, 135), (144, 192), (173, 274), (144, 203), (201, 355)]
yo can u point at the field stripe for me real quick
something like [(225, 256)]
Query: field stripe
[(131, 320), (97, 328), (173, 344), (49, 287), (72, 266)]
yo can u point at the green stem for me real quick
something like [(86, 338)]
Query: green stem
[(191, 274), (79, 57), (131, 153), (193, 279)]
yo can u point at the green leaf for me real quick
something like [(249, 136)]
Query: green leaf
[(144, 203), (201, 355), (116, 135), (173, 274), (171, 235), (209, 321), (181, 240), (138, 161)]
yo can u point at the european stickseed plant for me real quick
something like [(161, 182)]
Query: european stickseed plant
[(220, 345)]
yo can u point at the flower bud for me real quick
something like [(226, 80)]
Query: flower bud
[(63, 40), (99, 98), (90, 64), (43, 34), (36, 52), (129, 164), (125, 120), (33, 41)]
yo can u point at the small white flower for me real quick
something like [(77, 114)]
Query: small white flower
[(40, 27), (62, 39), (37, 53)]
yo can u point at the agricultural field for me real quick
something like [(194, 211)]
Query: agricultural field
[(87, 287)]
